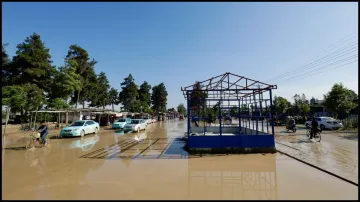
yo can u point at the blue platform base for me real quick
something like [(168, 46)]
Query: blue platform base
[(235, 141)]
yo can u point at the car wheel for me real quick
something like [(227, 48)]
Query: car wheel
[(322, 127), (96, 131), (82, 133)]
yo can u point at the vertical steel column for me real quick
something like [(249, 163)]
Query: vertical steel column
[(239, 118), (257, 117), (271, 114), (267, 117), (261, 114), (188, 112), (204, 114), (251, 121), (220, 118)]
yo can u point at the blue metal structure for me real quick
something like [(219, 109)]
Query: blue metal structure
[(210, 103)]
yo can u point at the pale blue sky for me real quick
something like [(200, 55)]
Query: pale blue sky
[(179, 43)]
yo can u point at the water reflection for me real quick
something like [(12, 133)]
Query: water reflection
[(86, 143), (240, 181)]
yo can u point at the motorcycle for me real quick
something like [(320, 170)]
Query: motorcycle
[(291, 127)]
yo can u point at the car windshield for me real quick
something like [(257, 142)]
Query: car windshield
[(78, 123), (121, 120), (135, 121)]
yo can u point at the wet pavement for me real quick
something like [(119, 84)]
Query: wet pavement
[(336, 153), (153, 165)]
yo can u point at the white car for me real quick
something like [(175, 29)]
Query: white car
[(80, 128), (147, 120), (326, 123), (135, 125)]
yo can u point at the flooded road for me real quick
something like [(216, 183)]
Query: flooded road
[(153, 165), (336, 153)]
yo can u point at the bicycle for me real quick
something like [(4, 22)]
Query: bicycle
[(25, 128), (33, 140), (317, 135)]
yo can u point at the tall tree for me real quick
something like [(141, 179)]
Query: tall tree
[(159, 98), (340, 100), (129, 93), (32, 64), (99, 96), (5, 66), (66, 81), (85, 68), (113, 97), (145, 96)]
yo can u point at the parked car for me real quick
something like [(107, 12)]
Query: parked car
[(80, 128), (119, 124), (326, 123), (135, 125), (154, 120), (147, 120)]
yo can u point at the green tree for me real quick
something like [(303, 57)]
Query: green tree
[(340, 100), (35, 97), (32, 64), (181, 109), (129, 93), (280, 105), (145, 96), (5, 77), (197, 97), (85, 68), (113, 97), (66, 81), (100, 94), (58, 104), (13, 96), (159, 98), (234, 111)]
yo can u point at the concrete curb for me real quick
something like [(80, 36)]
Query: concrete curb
[(330, 173)]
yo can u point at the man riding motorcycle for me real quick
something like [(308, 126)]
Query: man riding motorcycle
[(291, 125), (314, 128)]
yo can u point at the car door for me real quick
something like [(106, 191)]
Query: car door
[(88, 127), (319, 121), (143, 124), (92, 126)]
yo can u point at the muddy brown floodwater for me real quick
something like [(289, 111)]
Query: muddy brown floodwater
[(153, 165)]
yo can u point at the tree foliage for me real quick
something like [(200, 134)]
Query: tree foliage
[(14, 97), (99, 96), (66, 81), (181, 109), (145, 96), (159, 98), (85, 68), (129, 94), (280, 105), (32, 64), (58, 104), (340, 99), (113, 97)]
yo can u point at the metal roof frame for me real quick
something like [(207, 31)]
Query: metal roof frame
[(220, 86)]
